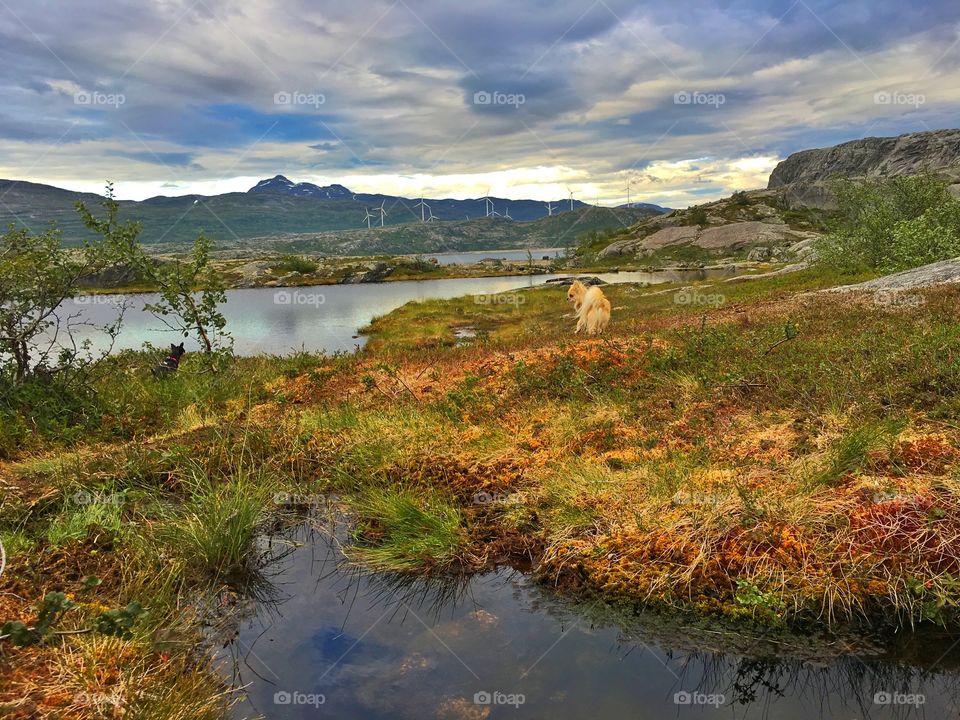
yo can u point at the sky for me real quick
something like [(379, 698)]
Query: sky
[(681, 102)]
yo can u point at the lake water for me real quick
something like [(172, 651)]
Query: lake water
[(330, 643), (317, 318), (474, 256)]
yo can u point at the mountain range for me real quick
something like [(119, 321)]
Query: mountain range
[(277, 208)]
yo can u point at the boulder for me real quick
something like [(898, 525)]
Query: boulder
[(938, 273), (376, 273), (739, 235)]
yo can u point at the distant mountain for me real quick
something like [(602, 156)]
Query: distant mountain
[(803, 176), (278, 208), (648, 206), (558, 230), (278, 183), (440, 208)]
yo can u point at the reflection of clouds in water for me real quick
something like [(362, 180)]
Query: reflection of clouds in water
[(407, 647)]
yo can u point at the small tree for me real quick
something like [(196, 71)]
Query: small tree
[(191, 292), (37, 276)]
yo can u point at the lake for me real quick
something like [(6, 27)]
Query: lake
[(323, 318), (324, 641), (474, 256)]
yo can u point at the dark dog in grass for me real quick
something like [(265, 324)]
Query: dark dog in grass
[(170, 363)]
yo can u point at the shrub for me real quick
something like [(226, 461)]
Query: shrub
[(295, 263), (697, 216), (892, 224)]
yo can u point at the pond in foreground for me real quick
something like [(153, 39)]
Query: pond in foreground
[(318, 318), (337, 644)]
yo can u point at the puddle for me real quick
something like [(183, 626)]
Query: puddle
[(334, 642)]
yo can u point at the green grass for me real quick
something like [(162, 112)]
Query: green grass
[(406, 530), (215, 528)]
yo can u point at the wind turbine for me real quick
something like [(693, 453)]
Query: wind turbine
[(628, 192), (571, 198), (549, 209), (506, 215), (489, 203), (383, 213), (423, 207), (368, 218), (432, 216)]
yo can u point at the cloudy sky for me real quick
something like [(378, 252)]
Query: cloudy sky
[(686, 100)]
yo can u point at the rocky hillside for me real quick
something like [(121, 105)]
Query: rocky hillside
[(752, 225), (780, 222), (803, 176)]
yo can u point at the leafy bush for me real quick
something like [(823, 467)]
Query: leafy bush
[(697, 216), (295, 263), (892, 224)]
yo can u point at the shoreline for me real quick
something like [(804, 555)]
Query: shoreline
[(466, 272)]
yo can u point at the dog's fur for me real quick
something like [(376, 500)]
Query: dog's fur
[(591, 307), (169, 364)]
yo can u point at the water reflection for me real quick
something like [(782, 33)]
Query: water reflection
[(399, 647)]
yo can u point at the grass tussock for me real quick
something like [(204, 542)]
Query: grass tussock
[(403, 530)]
